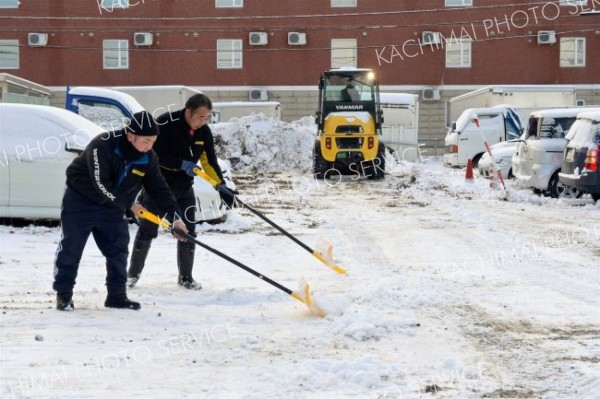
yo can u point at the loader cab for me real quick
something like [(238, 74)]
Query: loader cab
[(349, 119)]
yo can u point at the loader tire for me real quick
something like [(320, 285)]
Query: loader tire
[(377, 171), (320, 166)]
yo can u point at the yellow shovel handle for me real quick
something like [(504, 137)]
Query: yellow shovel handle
[(205, 176), (143, 213)]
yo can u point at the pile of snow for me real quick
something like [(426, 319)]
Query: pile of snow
[(260, 143)]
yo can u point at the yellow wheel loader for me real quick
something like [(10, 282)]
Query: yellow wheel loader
[(349, 121)]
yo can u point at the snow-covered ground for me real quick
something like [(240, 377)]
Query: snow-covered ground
[(449, 288)]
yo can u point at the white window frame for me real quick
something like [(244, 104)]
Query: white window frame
[(577, 53), (343, 3), (112, 4), (339, 48), (229, 3), (9, 4), (122, 49), (10, 43), (465, 49), (234, 51), (458, 3)]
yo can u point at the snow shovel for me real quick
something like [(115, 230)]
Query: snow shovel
[(302, 295), (324, 254)]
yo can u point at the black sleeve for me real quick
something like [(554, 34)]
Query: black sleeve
[(98, 162), (156, 186), (168, 158), (209, 148)]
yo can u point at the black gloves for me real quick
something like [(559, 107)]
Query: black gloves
[(227, 195)]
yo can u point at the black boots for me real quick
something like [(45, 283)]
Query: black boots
[(118, 299), (64, 301), (185, 264), (138, 259), (115, 299)]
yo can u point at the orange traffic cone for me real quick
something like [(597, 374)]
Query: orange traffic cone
[(469, 174)]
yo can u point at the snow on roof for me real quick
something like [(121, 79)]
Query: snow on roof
[(123, 98), (225, 104), (592, 115), (156, 88), (363, 116), (21, 121), (398, 98), (562, 112), (350, 69)]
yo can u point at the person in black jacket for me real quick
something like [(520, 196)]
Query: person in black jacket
[(102, 183), (185, 139)]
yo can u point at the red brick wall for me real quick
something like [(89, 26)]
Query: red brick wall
[(73, 57)]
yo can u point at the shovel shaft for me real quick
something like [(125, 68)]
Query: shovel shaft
[(163, 223), (308, 249)]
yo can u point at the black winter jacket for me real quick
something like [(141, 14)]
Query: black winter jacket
[(111, 172), (175, 144)]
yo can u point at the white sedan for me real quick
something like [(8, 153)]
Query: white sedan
[(503, 153), (37, 143)]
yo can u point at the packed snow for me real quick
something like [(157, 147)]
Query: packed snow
[(453, 290)]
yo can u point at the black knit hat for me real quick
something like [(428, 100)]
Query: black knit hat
[(143, 124)]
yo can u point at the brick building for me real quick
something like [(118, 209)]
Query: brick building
[(228, 47)]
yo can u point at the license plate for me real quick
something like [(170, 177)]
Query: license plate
[(570, 155)]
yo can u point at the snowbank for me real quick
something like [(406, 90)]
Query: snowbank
[(260, 143)]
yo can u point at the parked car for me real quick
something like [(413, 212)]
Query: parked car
[(37, 143), (581, 155), (503, 153), (464, 140), (538, 158)]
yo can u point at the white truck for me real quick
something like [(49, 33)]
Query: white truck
[(461, 144), (400, 127), (159, 99)]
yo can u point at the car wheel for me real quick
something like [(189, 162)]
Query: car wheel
[(320, 166), (559, 190), (476, 159), (378, 171), (596, 196)]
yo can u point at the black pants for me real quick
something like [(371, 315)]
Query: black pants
[(81, 217), (186, 200)]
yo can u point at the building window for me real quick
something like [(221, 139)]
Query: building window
[(572, 51), (343, 53), (458, 3), (111, 4), (458, 53), (9, 3), (573, 3), (9, 54), (229, 54), (116, 54), (343, 3), (229, 3)]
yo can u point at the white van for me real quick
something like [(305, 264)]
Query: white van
[(465, 140), (538, 158)]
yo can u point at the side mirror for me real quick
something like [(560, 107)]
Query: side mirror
[(453, 125)]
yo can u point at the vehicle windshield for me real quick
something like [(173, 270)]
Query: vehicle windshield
[(555, 128), (108, 116), (348, 87)]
